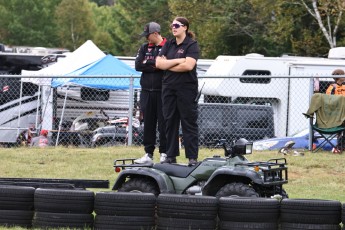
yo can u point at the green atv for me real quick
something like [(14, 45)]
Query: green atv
[(216, 176)]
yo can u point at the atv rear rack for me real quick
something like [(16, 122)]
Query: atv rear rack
[(274, 170), (129, 162)]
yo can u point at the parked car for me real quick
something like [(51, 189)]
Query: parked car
[(301, 140), (117, 133), (234, 121)]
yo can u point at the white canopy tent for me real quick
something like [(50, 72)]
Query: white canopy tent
[(81, 57), (75, 64)]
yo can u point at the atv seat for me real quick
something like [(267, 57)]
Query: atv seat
[(176, 170)]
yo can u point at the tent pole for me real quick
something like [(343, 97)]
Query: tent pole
[(45, 103), (37, 106), (130, 115), (20, 107), (62, 113)]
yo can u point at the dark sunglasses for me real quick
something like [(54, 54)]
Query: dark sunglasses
[(176, 25)]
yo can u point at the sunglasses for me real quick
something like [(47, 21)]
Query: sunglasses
[(176, 26)]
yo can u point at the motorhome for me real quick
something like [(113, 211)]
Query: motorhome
[(286, 83)]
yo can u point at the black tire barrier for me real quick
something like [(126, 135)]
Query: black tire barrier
[(48, 220), (124, 222), (16, 197), (310, 211), (125, 204), (186, 212), (64, 201), (14, 218), (116, 210), (165, 223), (187, 207), (297, 226), (229, 225), (247, 209), (343, 215)]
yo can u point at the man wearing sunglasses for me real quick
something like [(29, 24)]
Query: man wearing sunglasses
[(151, 92)]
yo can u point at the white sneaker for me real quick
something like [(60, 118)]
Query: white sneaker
[(163, 157), (146, 159)]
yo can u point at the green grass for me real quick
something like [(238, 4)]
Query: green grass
[(318, 175)]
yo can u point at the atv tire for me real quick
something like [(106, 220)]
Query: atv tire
[(140, 185), (237, 189)]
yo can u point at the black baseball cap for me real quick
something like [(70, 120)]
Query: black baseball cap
[(150, 28)]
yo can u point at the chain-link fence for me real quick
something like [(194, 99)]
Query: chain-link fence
[(90, 112)]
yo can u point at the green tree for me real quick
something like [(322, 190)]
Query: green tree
[(104, 22), (206, 21), (289, 28), (28, 22), (129, 20), (75, 22), (329, 16)]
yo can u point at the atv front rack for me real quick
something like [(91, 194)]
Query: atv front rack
[(274, 170)]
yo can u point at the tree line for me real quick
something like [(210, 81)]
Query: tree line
[(222, 27)]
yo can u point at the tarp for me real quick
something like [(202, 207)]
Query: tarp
[(81, 57), (107, 66)]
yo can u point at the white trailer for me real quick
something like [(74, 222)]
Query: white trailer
[(286, 83)]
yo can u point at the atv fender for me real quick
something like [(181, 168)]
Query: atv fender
[(224, 176), (164, 182)]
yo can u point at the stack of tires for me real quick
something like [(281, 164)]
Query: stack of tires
[(248, 213), (16, 206), (298, 214), (181, 212), (125, 211), (63, 208)]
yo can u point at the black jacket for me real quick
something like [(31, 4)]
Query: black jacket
[(145, 62)]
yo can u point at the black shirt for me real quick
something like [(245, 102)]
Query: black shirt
[(188, 48), (145, 62)]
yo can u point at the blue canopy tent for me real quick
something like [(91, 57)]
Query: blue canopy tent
[(107, 66), (119, 77)]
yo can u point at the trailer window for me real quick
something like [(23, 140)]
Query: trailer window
[(90, 94), (256, 79)]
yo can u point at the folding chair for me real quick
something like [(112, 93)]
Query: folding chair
[(327, 133), (329, 122)]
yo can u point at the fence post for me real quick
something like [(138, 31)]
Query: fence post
[(130, 112)]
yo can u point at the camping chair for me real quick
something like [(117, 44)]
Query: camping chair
[(327, 133), (330, 115)]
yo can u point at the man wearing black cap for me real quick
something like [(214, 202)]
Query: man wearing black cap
[(151, 88)]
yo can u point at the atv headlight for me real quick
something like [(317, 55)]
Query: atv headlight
[(249, 148)]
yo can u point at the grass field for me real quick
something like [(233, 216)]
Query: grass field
[(318, 175)]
